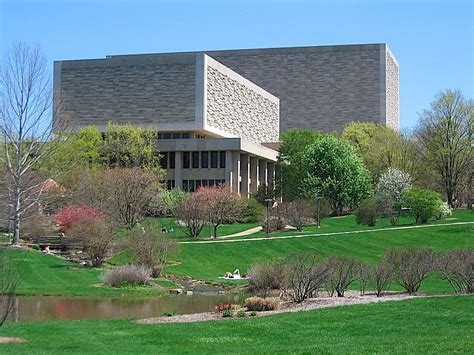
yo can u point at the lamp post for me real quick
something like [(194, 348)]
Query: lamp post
[(268, 201), (318, 204)]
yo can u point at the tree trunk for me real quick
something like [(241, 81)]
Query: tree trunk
[(16, 217)]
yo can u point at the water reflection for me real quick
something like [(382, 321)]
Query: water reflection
[(53, 308)]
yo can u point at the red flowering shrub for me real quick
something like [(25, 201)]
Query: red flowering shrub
[(69, 215)]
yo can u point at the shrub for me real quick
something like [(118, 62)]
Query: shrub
[(241, 314), (275, 223), (264, 192), (341, 272), (165, 203), (150, 248), (223, 306), (262, 304), (410, 266), (38, 226), (457, 267), (94, 235), (254, 211), (367, 212), (382, 275), (423, 204), (227, 313), (265, 276), (444, 210), (127, 275), (304, 275), (364, 277), (69, 215)]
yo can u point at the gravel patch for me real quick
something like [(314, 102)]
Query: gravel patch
[(352, 297)]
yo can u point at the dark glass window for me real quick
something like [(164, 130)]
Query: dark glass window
[(198, 184), (212, 182), (204, 183), (204, 160), (185, 185), (164, 160), (167, 136), (160, 135), (195, 160), (176, 135), (186, 135), (222, 160), (191, 186), (185, 160), (213, 160), (170, 184), (172, 156)]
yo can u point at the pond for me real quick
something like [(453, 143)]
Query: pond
[(58, 308)]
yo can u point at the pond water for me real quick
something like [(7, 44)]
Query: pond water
[(58, 308)]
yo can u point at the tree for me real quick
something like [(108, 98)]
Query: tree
[(381, 148), (342, 271), (126, 146), (128, 193), (193, 214), (150, 248), (290, 164), (166, 203), (26, 125), (423, 204), (223, 206), (95, 236), (72, 214), (334, 170), (457, 266), (445, 134), (9, 280), (388, 192), (299, 213), (366, 213)]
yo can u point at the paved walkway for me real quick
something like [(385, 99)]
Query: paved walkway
[(243, 233), (221, 240)]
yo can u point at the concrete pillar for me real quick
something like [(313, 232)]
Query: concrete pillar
[(244, 173), (262, 171), (235, 171), (228, 170), (253, 174), (271, 173), (178, 180)]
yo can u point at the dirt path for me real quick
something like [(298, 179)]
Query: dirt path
[(352, 297), (221, 240)]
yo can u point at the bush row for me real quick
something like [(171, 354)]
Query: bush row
[(303, 276)]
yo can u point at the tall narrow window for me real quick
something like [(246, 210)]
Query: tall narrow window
[(214, 159), (176, 135), (185, 185), (164, 160), (172, 156), (204, 160), (195, 160), (185, 160), (222, 159)]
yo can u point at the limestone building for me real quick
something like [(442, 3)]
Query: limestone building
[(220, 113)]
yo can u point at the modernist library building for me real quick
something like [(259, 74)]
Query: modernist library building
[(219, 114)]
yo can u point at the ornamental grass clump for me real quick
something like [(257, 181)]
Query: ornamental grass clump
[(127, 275), (260, 304)]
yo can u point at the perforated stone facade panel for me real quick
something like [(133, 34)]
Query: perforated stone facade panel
[(237, 109), (392, 93)]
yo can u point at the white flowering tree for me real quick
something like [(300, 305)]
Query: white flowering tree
[(388, 191)]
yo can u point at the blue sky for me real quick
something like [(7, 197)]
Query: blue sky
[(432, 40)]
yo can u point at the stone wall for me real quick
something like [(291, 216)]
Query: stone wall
[(392, 92), (238, 107), (147, 93)]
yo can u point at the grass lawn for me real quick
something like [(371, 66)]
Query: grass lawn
[(178, 232), (210, 260), (430, 325), (48, 275)]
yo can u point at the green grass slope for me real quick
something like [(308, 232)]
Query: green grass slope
[(429, 325)]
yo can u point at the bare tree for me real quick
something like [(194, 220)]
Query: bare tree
[(193, 215), (445, 135), (299, 213), (26, 126), (9, 280)]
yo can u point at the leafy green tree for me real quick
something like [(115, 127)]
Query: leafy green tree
[(381, 148), (126, 146), (289, 168), (445, 134), (423, 204), (335, 171)]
